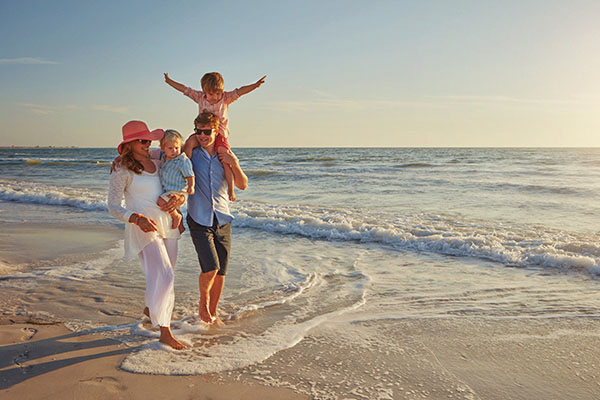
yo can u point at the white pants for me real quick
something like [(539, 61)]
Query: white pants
[(158, 262)]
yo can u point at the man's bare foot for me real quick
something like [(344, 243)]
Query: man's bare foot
[(218, 322), (167, 338), (231, 194), (177, 217), (204, 313)]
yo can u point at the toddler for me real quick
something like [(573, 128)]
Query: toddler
[(215, 100), (176, 172)]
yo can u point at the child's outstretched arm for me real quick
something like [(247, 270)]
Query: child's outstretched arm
[(175, 85), (248, 88), (190, 144)]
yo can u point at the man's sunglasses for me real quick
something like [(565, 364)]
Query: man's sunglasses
[(206, 132)]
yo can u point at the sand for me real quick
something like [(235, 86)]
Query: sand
[(40, 359), (28, 245), (51, 362)]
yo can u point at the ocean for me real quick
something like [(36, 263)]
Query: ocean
[(334, 249)]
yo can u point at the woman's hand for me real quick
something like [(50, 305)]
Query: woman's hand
[(175, 201), (143, 222)]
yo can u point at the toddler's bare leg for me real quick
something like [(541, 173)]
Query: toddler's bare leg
[(175, 215)]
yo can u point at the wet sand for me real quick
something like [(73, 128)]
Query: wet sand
[(47, 361)]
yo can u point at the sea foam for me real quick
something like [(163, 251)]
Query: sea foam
[(514, 245)]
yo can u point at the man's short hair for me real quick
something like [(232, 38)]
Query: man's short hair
[(207, 118)]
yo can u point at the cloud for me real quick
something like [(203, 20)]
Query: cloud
[(495, 99), (101, 107), (26, 60), (38, 108)]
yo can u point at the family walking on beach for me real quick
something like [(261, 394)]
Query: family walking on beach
[(155, 184)]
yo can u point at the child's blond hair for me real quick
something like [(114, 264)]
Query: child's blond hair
[(211, 82), (171, 136)]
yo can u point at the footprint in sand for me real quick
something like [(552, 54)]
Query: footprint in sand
[(110, 313), (29, 333), (108, 383)]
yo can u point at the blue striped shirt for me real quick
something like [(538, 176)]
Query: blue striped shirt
[(173, 173), (210, 196)]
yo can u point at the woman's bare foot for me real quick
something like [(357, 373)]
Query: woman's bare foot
[(146, 312), (167, 338), (204, 313)]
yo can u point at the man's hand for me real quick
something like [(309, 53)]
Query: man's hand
[(175, 201)]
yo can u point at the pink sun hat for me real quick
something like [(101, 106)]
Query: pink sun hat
[(134, 130)]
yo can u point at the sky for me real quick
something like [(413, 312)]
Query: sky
[(448, 73)]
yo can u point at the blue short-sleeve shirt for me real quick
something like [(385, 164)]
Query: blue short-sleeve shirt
[(210, 196)]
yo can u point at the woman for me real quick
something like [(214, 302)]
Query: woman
[(148, 232)]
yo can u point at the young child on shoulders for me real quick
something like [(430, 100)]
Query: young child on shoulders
[(176, 172), (215, 100)]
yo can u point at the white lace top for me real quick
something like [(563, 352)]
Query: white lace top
[(141, 193)]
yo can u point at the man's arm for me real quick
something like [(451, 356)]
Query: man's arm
[(239, 177), (248, 88), (175, 85), (190, 144)]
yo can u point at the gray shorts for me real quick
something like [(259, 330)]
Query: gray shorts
[(212, 244)]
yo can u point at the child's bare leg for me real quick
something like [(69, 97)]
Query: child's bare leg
[(228, 175), (230, 183), (175, 215)]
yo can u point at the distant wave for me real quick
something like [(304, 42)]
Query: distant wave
[(415, 165), (261, 172), (48, 161), (37, 193), (521, 246)]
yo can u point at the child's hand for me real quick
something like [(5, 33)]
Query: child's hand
[(260, 81)]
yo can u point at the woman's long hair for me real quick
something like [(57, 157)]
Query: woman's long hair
[(128, 161)]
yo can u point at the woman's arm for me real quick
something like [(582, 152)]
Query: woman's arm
[(119, 180)]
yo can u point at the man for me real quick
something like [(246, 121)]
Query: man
[(209, 218)]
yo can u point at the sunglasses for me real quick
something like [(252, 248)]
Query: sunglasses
[(144, 141), (206, 132)]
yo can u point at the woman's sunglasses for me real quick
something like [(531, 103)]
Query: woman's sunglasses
[(206, 132), (144, 141)]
